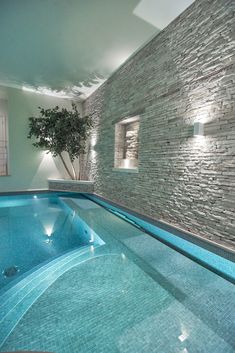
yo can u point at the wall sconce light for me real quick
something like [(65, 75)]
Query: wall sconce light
[(198, 129)]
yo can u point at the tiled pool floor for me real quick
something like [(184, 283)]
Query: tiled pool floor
[(135, 296)]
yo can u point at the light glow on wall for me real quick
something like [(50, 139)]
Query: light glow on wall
[(93, 140), (93, 156), (198, 129), (47, 168), (126, 163), (116, 58)]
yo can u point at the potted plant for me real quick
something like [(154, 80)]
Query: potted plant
[(61, 130)]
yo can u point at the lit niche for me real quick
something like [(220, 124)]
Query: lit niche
[(127, 143)]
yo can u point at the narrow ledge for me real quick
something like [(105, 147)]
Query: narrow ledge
[(126, 170), (68, 181), (71, 185)]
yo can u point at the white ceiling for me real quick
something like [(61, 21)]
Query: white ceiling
[(160, 13), (68, 47)]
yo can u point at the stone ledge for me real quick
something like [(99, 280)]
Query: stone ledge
[(71, 185), (126, 170)]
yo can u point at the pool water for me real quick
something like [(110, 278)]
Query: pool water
[(128, 293), (35, 229)]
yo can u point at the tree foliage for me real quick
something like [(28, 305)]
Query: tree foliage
[(61, 131)]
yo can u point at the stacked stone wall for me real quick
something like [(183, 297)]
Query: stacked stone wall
[(184, 75)]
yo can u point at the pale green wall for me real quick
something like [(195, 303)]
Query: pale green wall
[(29, 167)]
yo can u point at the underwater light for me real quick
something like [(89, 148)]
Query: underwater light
[(49, 230)]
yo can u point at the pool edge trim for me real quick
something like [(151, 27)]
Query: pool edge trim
[(189, 236)]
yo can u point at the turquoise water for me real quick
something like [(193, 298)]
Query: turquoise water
[(221, 265), (36, 228), (129, 294)]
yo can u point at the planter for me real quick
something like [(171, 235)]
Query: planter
[(71, 185)]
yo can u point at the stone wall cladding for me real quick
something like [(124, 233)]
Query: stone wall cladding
[(59, 186), (185, 74)]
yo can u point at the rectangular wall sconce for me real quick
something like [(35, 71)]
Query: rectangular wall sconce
[(198, 129)]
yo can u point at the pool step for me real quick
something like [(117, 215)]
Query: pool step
[(17, 300), (6, 294)]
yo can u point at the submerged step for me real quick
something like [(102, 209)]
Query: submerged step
[(224, 267), (13, 311)]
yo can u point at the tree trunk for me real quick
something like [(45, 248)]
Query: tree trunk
[(74, 171), (67, 169)]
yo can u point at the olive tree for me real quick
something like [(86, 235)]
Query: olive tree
[(61, 130)]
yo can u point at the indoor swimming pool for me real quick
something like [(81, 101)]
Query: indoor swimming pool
[(90, 277)]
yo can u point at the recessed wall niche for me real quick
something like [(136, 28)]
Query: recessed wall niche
[(127, 143)]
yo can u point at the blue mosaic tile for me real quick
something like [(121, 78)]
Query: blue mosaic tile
[(108, 304), (131, 295)]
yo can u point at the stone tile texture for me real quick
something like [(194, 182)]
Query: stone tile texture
[(71, 186), (183, 75)]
